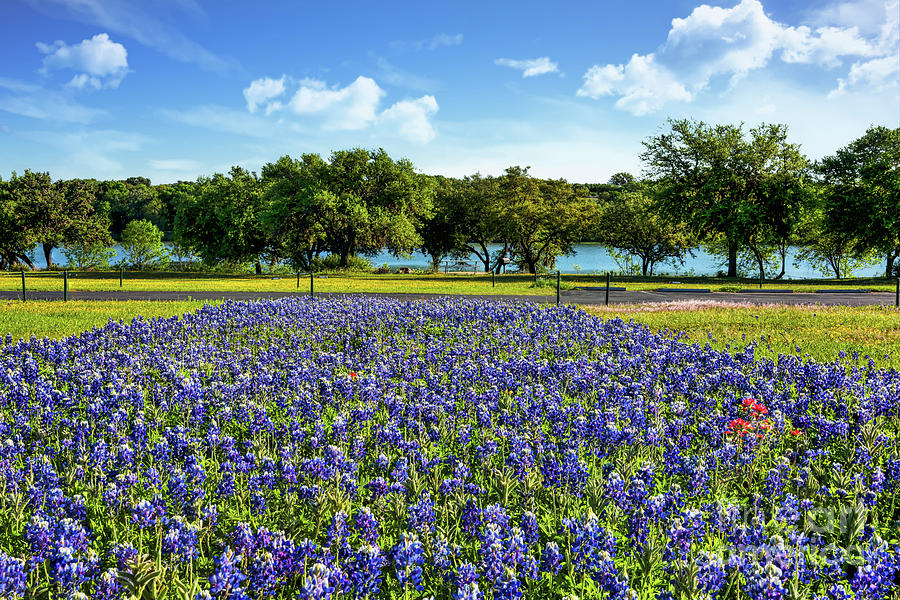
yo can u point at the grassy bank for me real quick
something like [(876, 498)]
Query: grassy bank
[(820, 333), (438, 283), (57, 319)]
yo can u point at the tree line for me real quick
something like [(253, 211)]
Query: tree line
[(745, 195)]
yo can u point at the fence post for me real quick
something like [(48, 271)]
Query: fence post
[(607, 289), (65, 286), (24, 293), (557, 288), (312, 293)]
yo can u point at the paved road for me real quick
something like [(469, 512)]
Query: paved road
[(568, 297)]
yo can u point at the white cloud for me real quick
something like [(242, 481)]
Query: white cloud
[(530, 67), (642, 85), (350, 107), (261, 91), (714, 42), (129, 18), (877, 74), (30, 100), (99, 61), (443, 39), (438, 41), (410, 118)]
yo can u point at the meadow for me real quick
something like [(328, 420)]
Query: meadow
[(373, 448)]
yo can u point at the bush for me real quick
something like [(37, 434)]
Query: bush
[(88, 256), (354, 263), (142, 243)]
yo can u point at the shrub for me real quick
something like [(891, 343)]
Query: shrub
[(142, 243)]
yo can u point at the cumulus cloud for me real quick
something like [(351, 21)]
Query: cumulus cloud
[(714, 42), (350, 107), (643, 86), (261, 91), (877, 74), (531, 66), (99, 61), (316, 105), (411, 118), (137, 21)]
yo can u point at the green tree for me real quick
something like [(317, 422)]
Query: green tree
[(630, 223), (831, 251), (726, 187), (369, 202), (478, 215), (43, 207), (134, 199), (222, 222), (862, 194), (441, 232), (17, 239), (291, 198), (543, 218), (142, 244)]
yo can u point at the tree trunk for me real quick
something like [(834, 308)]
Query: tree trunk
[(258, 267), (732, 259), (48, 253), (644, 266), (345, 256), (783, 252), (760, 264), (889, 266)]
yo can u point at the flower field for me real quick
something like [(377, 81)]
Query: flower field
[(371, 448)]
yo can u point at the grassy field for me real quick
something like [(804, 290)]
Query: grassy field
[(57, 319), (418, 283), (820, 333)]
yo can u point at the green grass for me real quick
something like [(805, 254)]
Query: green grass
[(820, 333), (58, 319), (391, 283)]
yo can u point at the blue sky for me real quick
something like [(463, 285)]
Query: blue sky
[(173, 89)]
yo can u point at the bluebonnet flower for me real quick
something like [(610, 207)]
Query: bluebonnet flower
[(366, 524), (507, 586), (408, 557), (365, 571), (317, 584), (12, 576), (551, 558), (530, 527), (227, 577), (107, 586), (421, 514)]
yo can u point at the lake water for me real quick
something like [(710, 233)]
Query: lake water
[(588, 258)]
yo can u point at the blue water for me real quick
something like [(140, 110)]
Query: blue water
[(588, 258)]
